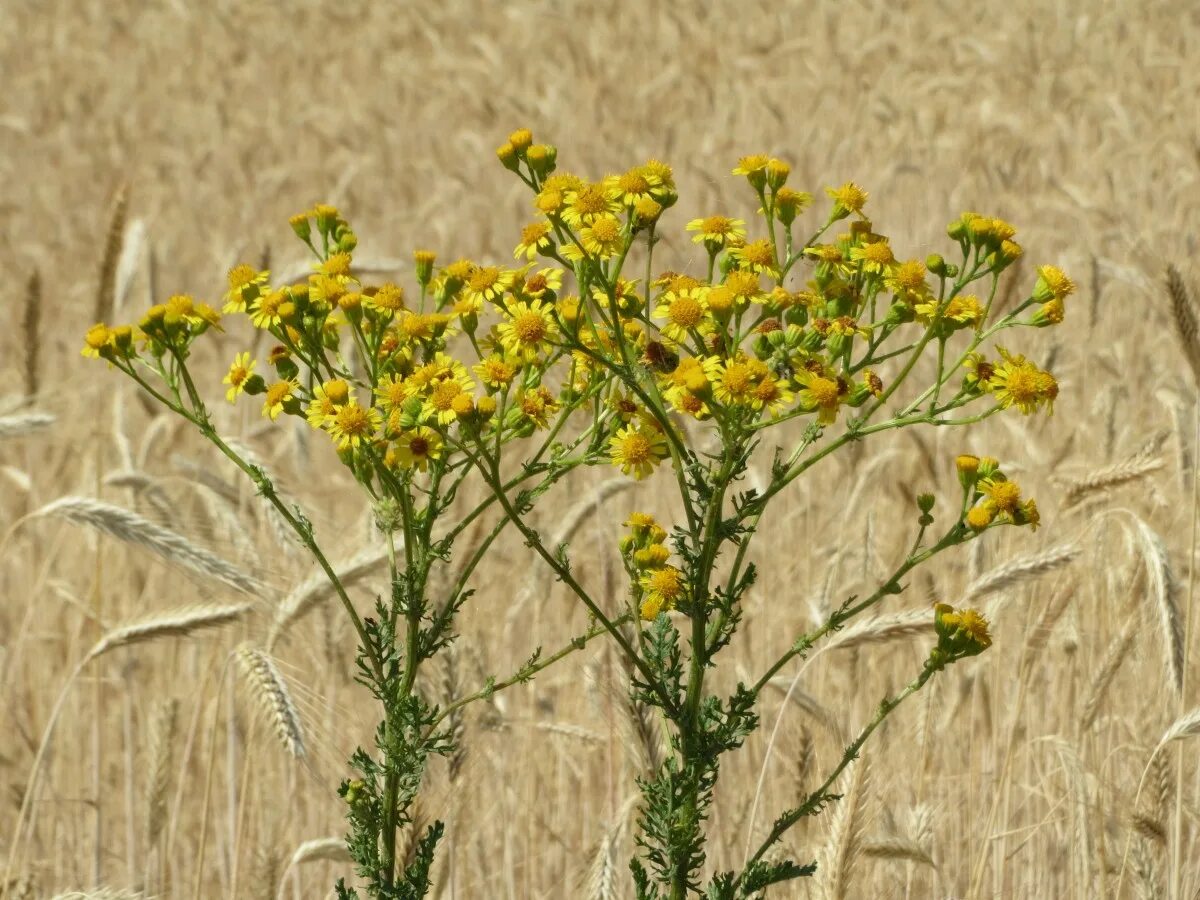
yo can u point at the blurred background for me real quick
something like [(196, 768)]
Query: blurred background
[(184, 135)]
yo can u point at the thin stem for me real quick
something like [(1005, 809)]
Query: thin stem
[(818, 798)]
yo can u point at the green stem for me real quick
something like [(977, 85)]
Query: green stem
[(818, 798)]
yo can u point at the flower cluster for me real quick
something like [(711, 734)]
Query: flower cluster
[(738, 344), (961, 633), (991, 498), (658, 586)]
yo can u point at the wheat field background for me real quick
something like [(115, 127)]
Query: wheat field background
[(1013, 775)]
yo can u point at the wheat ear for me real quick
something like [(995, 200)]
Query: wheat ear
[(268, 688), (846, 834), (1019, 570), (1184, 314), (24, 423), (132, 528), (319, 588), (31, 319), (113, 243), (162, 750)]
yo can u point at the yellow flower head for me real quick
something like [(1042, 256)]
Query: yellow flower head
[(637, 448), (1001, 495), (95, 340), (662, 588), (245, 283), (1052, 284), (326, 399), (352, 425), (1018, 382), (239, 374), (737, 380), (637, 184), (535, 239), (960, 632), (684, 312), (495, 372), (528, 329), (875, 257), (414, 449), (538, 405), (266, 311), (849, 198), (388, 298), (717, 231), (819, 392), (541, 281), (754, 168), (278, 394), (489, 283), (587, 202), (757, 256), (603, 237)]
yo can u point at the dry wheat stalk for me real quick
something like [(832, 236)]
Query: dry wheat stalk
[(537, 585), (1132, 469), (1019, 570), (162, 748), (286, 538), (101, 893), (133, 242), (450, 691), (24, 423), (267, 872), (319, 588), (1186, 726), (604, 871), (1114, 656), (135, 529), (330, 849), (268, 688), (1164, 588), (882, 629), (1183, 312), (173, 623), (113, 244), (31, 319), (846, 835), (406, 843), (892, 847)]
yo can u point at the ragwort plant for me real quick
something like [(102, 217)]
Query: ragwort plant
[(716, 360), (642, 374), (369, 367)]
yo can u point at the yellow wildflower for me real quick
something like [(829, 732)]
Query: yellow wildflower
[(528, 329), (535, 239), (637, 448), (353, 425), (637, 184), (875, 257), (245, 283), (239, 373), (757, 256), (662, 588), (415, 448), (849, 198), (685, 312), (717, 231), (278, 394), (819, 392)]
